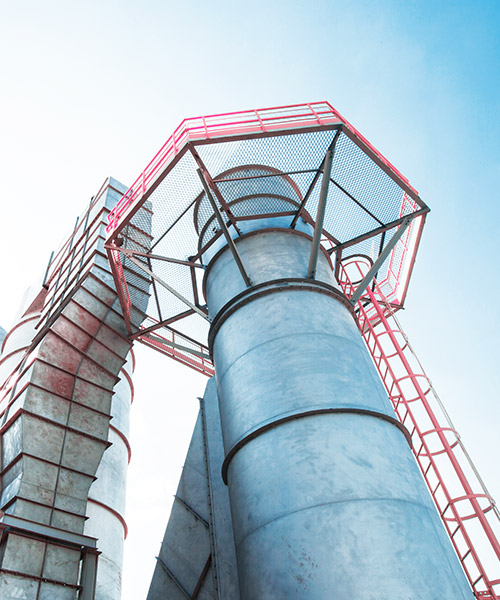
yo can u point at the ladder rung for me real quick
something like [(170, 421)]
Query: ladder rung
[(452, 535), (427, 470), (436, 488), (462, 558)]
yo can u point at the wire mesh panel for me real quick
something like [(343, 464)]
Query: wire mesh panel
[(258, 164)]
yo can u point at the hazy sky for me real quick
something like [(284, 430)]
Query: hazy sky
[(91, 89)]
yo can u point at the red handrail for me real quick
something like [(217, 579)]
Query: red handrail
[(256, 121)]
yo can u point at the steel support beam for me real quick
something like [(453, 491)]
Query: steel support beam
[(190, 509), (380, 260), (170, 574), (211, 184), (313, 258), (357, 202), (161, 324), (167, 286), (157, 300), (201, 578), (225, 231), (129, 252), (376, 231), (46, 532), (88, 576)]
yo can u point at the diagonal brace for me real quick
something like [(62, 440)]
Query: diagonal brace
[(168, 287), (225, 231), (380, 260), (313, 257), (128, 252)]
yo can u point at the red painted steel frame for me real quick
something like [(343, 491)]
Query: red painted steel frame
[(267, 121), (161, 341), (382, 335), (254, 124)]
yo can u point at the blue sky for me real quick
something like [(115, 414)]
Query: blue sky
[(91, 89)]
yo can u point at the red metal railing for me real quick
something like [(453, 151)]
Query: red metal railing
[(400, 257), (166, 341), (121, 285), (235, 124), (469, 516)]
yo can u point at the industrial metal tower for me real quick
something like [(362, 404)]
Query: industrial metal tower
[(280, 240), (270, 250), (66, 389)]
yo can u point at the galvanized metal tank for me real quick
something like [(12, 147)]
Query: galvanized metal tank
[(326, 498)]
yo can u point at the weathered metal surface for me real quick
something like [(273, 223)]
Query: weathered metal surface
[(55, 414), (15, 344), (107, 495), (320, 217), (221, 522), (323, 505), (186, 545), (197, 558), (467, 509)]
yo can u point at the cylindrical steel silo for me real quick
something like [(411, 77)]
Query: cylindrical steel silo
[(326, 498)]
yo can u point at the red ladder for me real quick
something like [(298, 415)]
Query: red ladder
[(470, 517)]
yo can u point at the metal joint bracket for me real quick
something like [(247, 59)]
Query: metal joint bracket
[(380, 260), (162, 283), (129, 252)]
